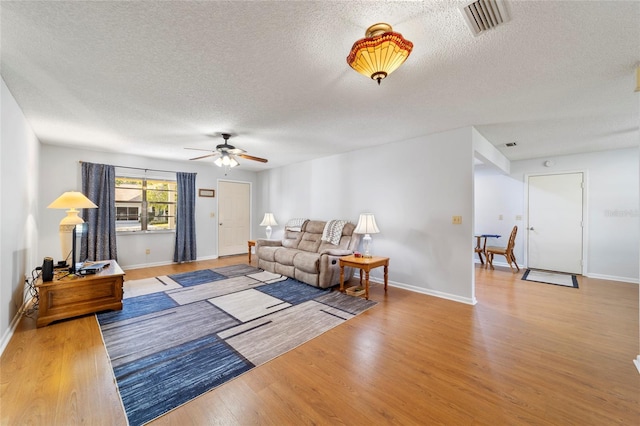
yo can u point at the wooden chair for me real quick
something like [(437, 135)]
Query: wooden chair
[(507, 251), (480, 247)]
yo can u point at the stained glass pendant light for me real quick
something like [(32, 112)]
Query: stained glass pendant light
[(380, 53)]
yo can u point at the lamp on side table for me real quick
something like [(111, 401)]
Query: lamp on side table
[(366, 225), (268, 221), (71, 200)]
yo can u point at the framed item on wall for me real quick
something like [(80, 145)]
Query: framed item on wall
[(206, 192)]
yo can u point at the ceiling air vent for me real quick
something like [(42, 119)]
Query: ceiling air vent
[(483, 15)]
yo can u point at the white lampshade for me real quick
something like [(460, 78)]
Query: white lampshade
[(366, 224), (269, 220), (71, 200)]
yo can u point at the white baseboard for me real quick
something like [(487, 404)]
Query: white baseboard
[(504, 264), (144, 265), (428, 292), (613, 278), (165, 263), (12, 326), (435, 293), (211, 257)]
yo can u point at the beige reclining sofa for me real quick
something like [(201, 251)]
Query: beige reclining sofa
[(304, 256)]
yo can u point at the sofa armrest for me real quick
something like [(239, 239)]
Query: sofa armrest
[(268, 243), (336, 252)]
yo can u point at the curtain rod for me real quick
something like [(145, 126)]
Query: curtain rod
[(137, 168)]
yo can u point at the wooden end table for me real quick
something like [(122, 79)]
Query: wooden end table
[(364, 264), (250, 243), (481, 248), (71, 296)]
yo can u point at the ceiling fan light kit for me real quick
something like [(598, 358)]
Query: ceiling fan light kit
[(380, 53), (226, 154), (226, 160)]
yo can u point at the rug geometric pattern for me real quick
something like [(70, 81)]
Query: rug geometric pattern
[(181, 335), (188, 279)]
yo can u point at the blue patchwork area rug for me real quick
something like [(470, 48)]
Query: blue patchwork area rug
[(197, 277), (182, 335), (290, 292)]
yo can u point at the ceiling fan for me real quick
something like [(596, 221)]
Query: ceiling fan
[(227, 154)]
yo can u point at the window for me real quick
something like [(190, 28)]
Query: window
[(145, 204)]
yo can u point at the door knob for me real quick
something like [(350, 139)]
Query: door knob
[(220, 224), (530, 228)]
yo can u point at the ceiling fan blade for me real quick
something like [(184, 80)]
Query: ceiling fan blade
[(251, 157), (204, 156), (199, 149)]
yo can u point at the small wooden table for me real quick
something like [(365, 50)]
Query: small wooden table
[(70, 296), (481, 247), (250, 243), (364, 264)]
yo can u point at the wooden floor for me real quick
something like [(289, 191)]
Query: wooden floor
[(527, 353)]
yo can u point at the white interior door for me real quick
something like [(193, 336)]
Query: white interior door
[(234, 227), (555, 222)]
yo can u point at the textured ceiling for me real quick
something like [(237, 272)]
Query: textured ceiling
[(152, 78)]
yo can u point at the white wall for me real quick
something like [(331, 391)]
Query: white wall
[(613, 228), (413, 188), (489, 154), (498, 194), (18, 209), (60, 171)]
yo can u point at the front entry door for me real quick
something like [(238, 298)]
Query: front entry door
[(234, 207), (555, 222)]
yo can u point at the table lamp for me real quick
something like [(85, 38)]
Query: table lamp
[(268, 221), (71, 200), (366, 225)]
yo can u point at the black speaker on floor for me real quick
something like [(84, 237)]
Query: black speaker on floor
[(47, 269)]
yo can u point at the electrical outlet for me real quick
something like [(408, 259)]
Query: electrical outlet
[(148, 251), (212, 214), (518, 217), (499, 217), (457, 220)]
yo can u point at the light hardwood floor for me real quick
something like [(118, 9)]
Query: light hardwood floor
[(527, 353)]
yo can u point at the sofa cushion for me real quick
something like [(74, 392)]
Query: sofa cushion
[(307, 262), (267, 253), (305, 277), (314, 226), (310, 241), (287, 270), (291, 239), (285, 256)]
